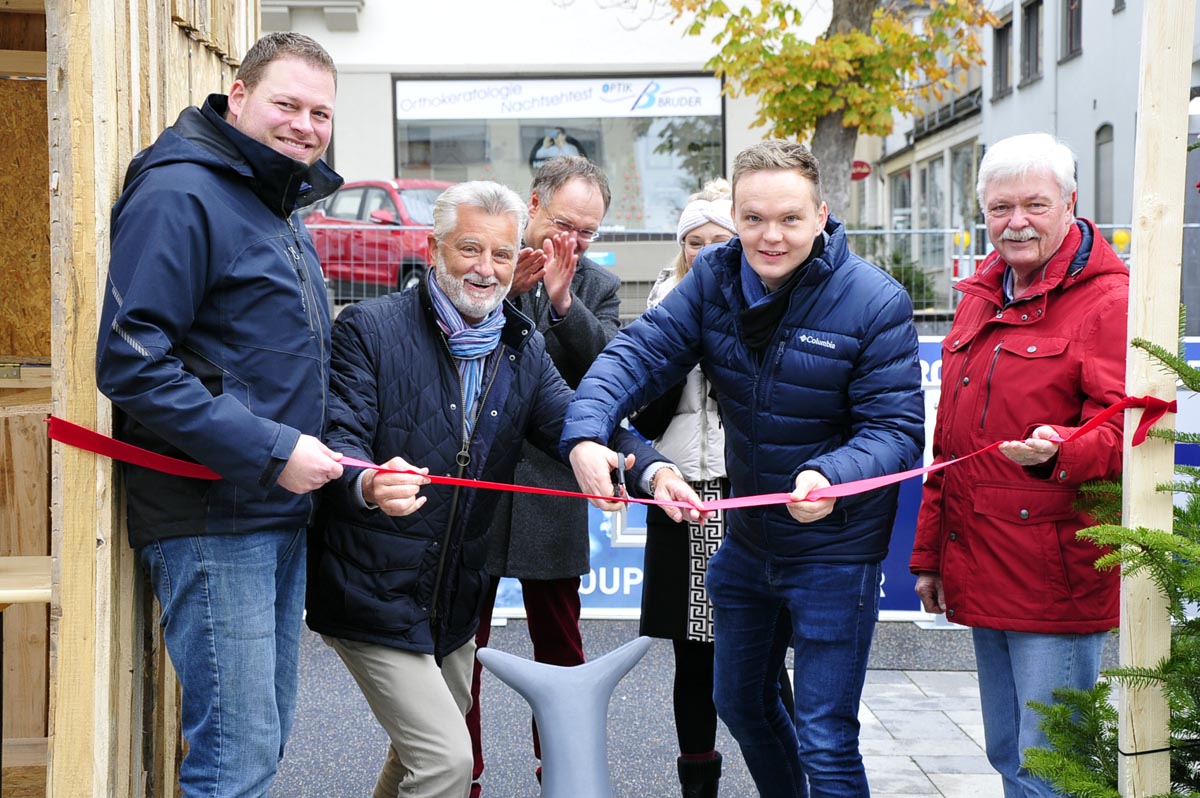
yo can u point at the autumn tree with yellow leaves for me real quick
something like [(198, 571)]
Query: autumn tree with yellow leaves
[(876, 57)]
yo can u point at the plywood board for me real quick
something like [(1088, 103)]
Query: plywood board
[(25, 209)]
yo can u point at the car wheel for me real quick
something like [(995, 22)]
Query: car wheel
[(409, 275)]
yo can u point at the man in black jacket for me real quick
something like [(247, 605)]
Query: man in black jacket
[(451, 379), (214, 346), (543, 540)]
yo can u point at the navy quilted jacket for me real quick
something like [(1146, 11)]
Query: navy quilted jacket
[(838, 390), (416, 582)]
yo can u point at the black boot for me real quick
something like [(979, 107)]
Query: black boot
[(699, 777)]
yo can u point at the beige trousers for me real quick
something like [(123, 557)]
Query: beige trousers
[(422, 709)]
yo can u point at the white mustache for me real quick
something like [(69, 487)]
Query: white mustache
[(1024, 234), (481, 281)]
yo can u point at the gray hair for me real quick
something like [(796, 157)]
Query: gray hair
[(282, 44), (558, 171), (779, 154), (491, 198), (1016, 157)]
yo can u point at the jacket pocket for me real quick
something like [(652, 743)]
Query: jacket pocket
[(1033, 347), (1017, 547), (1024, 505), (379, 575)]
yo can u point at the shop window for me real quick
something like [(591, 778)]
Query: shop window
[(658, 139)]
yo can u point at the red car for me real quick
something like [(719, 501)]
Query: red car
[(371, 235)]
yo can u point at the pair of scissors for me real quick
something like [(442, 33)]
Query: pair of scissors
[(619, 476)]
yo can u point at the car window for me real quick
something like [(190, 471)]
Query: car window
[(419, 203), (344, 204), (378, 200)]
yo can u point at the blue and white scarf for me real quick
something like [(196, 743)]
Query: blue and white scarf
[(469, 344)]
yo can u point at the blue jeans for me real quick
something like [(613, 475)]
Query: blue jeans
[(1014, 669), (231, 610), (828, 612)]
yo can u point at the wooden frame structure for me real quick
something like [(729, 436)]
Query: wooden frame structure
[(109, 75)]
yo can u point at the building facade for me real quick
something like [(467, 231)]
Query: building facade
[(1064, 67), (474, 89)]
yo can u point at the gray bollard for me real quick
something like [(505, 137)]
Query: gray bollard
[(571, 708)]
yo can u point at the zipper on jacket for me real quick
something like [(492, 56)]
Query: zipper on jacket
[(308, 299), (764, 375), (987, 396), (463, 458)]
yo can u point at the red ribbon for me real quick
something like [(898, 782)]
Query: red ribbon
[(88, 440)]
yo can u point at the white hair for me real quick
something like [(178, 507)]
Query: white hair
[(491, 198), (1017, 156)]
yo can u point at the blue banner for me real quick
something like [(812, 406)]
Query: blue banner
[(612, 589)]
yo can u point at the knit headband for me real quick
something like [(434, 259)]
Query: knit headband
[(700, 212)]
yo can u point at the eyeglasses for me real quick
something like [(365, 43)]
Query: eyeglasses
[(1031, 208), (580, 233)]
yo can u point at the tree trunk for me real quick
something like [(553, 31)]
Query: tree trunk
[(832, 142)]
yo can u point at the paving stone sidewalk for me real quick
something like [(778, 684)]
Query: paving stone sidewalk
[(922, 733)]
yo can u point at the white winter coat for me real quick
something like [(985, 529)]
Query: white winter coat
[(694, 439)]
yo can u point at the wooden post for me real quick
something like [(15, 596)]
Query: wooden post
[(1160, 152), (81, 102)]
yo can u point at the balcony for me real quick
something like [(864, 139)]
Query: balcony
[(340, 15)]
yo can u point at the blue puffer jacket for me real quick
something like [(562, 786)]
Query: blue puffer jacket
[(416, 582), (838, 390), (214, 337)]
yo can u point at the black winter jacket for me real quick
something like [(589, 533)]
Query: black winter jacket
[(416, 582), (214, 335)]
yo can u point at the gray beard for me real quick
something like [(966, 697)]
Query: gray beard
[(466, 307)]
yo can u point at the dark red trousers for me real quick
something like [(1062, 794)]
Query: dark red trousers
[(552, 609)]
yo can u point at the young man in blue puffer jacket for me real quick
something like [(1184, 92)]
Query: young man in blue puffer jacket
[(813, 354)]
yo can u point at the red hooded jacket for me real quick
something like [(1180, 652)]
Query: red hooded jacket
[(1002, 536)]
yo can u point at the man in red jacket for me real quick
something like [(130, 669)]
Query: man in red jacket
[(1036, 349)]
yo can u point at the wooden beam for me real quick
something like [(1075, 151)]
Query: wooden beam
[(23, 6), (1160, 151), (24, 580), (83, 182), (23, 63), (26, 376)]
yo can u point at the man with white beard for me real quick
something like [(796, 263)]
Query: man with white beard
[(444, 378)]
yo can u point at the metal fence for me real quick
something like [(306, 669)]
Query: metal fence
[(366, 260)]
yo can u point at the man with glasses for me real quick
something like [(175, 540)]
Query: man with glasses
[(1037, 349), (543, 540)]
